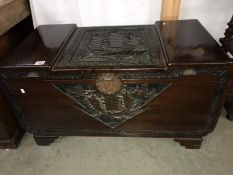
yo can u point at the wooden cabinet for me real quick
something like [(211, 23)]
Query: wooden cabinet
[(163, 80), (10, 132), (12, 12)]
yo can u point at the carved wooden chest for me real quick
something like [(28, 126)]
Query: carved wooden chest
[(162, 80)]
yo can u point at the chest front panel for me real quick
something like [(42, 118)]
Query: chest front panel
[(162, 103)]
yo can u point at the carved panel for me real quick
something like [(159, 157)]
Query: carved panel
[(114, 109), (113, 46)]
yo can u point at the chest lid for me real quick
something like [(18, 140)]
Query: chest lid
[(39, 49), (188, 43), (116, 47)]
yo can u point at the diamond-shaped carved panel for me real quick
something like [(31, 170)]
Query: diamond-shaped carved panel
[(112, 110)]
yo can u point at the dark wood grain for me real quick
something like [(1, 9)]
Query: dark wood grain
[(12, 12), (190, 143), (14, 36), (187, 43), (188, 115), (44, 140), (42, 45), (229, 108), (11, 132), (227, 45), (196, 69)]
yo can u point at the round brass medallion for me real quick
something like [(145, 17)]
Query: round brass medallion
[(108, 83)]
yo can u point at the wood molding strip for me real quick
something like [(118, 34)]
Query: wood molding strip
[(170, 9)]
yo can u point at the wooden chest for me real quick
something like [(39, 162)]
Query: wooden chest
[(161, 80)]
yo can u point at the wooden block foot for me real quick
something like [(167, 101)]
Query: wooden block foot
[(44, 140), (190, 143), (12, 143), (229, 108)]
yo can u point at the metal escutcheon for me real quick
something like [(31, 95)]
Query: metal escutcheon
[(108, 83), (188, 72)]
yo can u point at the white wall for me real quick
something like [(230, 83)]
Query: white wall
[(95, 12), (213, 14)]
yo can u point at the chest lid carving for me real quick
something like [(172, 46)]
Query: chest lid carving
[(119, 46)]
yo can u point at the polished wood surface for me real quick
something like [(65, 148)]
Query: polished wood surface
[(14, 36), (228, 45), (187, 43), (42, 45), (12, 12), (187, 110), (11, 132), (188, 115)]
